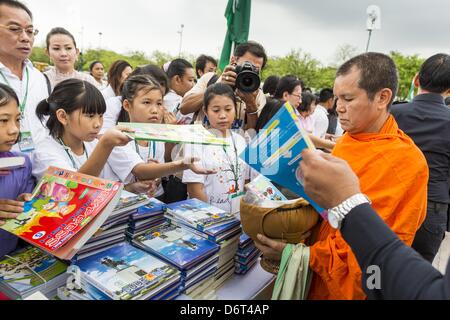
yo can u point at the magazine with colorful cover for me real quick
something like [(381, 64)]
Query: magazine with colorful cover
[(190, 134), (198, 214), (264, 189), (125, 272), (66, 209), (276, 152), (29, 268), (177, 245)]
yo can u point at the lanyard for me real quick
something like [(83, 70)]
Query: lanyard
[(25, 98), (233, 166), (66, 148), (151, 148)]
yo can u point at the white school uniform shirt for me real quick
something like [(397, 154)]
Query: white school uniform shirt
[(110, 117), (321, 121), (154, 151), (37, 91), (108, 92), (49, 152), (220, 187)]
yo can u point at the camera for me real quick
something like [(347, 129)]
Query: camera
[(247, 79)]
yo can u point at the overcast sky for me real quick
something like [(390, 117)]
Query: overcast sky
[(317, 27)]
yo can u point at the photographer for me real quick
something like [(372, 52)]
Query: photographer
[(242, 74)]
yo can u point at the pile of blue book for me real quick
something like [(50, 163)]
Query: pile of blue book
[(147, 216), (194, 256), (123, 272), (246, 256), (113, 230)]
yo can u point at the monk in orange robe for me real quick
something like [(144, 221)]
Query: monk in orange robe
[(393, 172)]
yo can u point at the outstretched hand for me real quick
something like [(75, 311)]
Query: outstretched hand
[(189, 164)]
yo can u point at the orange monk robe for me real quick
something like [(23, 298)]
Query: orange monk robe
[(393, 173)]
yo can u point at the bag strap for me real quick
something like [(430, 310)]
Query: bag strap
[(49, 86)]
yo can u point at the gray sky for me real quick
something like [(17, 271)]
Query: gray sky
[(317, 27)]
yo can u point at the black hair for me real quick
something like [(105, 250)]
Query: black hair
[(307, 100), (270, 85), (132, 86), (178, 68), (92, 65), (115, 74), (254, 48), (56, 31), (434, 74), (155, 72), (201, 62), (7, 94), (325, 95), (218, 89), (70, 95), (270, 109), (16, 4), (287, 84), (377, 72)]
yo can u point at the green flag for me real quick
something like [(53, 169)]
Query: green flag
[(238, 23)]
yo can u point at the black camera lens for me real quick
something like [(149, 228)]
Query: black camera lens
[(247, 79)]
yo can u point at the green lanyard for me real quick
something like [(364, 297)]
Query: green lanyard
[(234, 167), (25, 98), (66, 148), (152, 149)]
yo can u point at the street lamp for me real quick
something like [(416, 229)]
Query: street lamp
[(100, 34), (373, 21), (180, 32)]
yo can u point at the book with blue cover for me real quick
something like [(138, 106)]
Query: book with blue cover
[(198, 214), (176, 245), (150, 209), (276, 152), (124, 272)]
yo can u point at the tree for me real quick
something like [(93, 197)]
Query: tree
[(344, 52), (408, 67)]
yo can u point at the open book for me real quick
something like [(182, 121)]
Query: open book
[(66, 209), (276, 152), (191, 134)]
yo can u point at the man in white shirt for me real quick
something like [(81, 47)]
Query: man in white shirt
[(320, 115), (17, 35)]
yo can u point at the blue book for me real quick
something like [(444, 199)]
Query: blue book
[(124, 272), (176, 245), (152, 208), (198, 214), (276, 152)]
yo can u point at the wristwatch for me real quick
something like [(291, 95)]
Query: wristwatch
[(338, 213)]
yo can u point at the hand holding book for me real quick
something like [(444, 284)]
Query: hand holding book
[(10, 209)]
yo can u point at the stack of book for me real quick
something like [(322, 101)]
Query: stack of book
[(247, 255), (124, 272), (146, 217), (29, 270), (212, 223), (195, 256), (113, 230)]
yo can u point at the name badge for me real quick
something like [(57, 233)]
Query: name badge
[(26, 143)]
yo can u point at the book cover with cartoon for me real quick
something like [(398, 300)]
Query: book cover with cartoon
[(177, 245), (63, 203), (125, 272)]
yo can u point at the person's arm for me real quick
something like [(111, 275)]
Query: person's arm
[(191, 103), (403, 273), (197, 191)]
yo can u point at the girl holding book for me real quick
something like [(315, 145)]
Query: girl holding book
[(74, 116), (222, 190), (15, 183)]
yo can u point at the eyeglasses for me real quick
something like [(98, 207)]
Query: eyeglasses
[(17, 30), (296, 95)]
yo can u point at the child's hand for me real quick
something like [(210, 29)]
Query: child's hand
[(189, 164), (9, 209), (169, 118), (116, 137), (147, 187)]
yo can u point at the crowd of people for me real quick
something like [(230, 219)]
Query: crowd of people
[(384, 167)]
